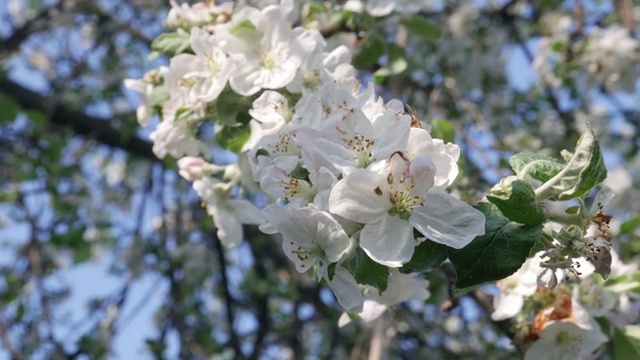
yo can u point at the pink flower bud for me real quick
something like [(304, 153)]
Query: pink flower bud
[(192, 168)]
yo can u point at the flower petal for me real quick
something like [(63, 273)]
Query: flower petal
[(506, 305), (230, 230), (388, 241), (447, 220), (346, 289), (357, 197), (330, 236), (246, 212)]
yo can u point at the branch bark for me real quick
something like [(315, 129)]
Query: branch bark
[(81, 123)]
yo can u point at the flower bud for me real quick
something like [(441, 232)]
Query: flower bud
[(192, 168), (548, 279)]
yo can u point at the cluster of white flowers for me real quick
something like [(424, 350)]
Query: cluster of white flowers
[(343, 170), (350, 179), (564, 319), (580, 248), (379, 8), (564, 313), (612, 58), (606, 57)]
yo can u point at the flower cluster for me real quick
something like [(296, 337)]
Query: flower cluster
[(564, 322), (346, 175), (606, 57)]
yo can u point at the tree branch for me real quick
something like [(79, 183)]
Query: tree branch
[(38, 23), (228, 299), (81, 123)]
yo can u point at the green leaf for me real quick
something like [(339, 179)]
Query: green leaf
[(426, 256), (584, 169), (38, 117), (9, 108), (630, 225), (172, 43), (73, 240), (158, 96), (623, 283), (443, 129), (396, 63), (498, 253), (422, 27), (370, 50), (626, 342), (232, 109), (242, 27), (559, 46), (539, 167), (517, 201), (12, 288), (9, 195), (233, 137), (369, 272)]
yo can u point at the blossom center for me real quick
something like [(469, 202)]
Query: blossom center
[(362, 147), (297, 188), (304, 254), (268, 61), (568, 339), (403, 203), (284, 145), (212, 65), (311, 81)]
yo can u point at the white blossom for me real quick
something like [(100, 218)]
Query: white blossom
[(392, 201), (515, 289), (309, 235), (228, 214)]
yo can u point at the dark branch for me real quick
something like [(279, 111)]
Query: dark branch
[(228, 299), (81, 123), (38, 23)]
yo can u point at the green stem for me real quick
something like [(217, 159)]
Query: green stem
[(544, 191), (567, 219)]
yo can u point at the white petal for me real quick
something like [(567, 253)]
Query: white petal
[(229, 228), (344, 319), (372, 310), (447, 220), (402, 287), (245, 80), (423, 173), (391, 133), (388, 241), (360, 197), (246, 212), (565, 340), (303, 257), (287, 223), (444, 156), (318, 151), (330, 236), (346, 289), (506, 306)]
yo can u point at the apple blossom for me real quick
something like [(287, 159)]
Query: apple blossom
[(515, 288), (309, 235), (262, 47), (144, 88), (392, 201), (341, 168), (204, 75), (565, 340), (228, 214)]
